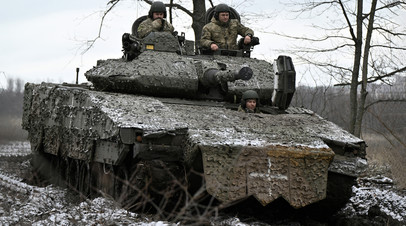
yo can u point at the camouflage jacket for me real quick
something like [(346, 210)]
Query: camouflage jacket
[(241, 109), (147, 26), (222, 35)]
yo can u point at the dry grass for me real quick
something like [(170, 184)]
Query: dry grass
[(385, 151), (10, 129)]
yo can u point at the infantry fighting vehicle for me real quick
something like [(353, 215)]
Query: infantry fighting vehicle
[(162, 114)]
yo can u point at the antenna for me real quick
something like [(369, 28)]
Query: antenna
[(77, 75)]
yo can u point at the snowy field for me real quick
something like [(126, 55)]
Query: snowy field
[(374, 199), (24, 204)]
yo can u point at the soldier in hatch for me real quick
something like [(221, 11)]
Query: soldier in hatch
[(249, 102), (156, 21), (222, 32)]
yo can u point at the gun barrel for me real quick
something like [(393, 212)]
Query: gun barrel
[(213, 76)]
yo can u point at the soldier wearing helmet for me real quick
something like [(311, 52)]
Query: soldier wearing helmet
[(156, 21), (222, 32), (249, 102)]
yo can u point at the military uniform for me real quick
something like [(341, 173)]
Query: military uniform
[(223, 34), (247, 95), (246, 110), (147, 26)]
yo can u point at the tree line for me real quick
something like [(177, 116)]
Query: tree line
[(11, 98), (385, 106), (11, 110)]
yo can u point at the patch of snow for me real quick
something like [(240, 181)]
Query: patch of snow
[(235, 221), (380, 180), (17, 148), (387, 201), (23, 204)]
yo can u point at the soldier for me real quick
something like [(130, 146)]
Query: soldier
[(155, 21), (249, 102), (222, 32)]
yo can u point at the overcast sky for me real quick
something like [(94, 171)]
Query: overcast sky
[(42, 40)]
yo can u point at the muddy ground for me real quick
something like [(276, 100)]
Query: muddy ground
[(24, 201)]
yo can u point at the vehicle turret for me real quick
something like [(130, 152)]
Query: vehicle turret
[(162, 68)]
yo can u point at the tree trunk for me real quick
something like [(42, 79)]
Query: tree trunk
[(355, 72), (170, 11), (364, 93), (199, 12)]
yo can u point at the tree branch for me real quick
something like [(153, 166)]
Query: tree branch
[(389, 32), (388, 129), (389, 47), (374, 79), (310, 39), (90, 43), (348, 21), (383, 101)]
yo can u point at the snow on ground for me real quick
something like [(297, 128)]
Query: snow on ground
[(49, 206), (18, 148), (386, 200), (24, 204)]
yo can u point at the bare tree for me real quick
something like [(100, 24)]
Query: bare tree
[(19, 86), (376, 55), (11, 100), (10, 85), (2, 88)]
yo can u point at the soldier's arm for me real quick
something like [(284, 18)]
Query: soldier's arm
[(206, 40), (169, 27), (144, 29), (244, 31)]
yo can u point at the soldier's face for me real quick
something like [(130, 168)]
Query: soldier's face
[(224, 16), (158, 15), (251, 104)]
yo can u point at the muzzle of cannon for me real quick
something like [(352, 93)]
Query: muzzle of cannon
[(213, 76)]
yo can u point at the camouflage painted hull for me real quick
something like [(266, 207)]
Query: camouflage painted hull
[(297, 174), (262, 155)]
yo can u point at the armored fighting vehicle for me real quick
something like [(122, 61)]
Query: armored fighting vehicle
[(163, 117)]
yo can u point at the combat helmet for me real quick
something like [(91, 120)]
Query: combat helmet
[(221, 8), (157, 7), (249, 94)]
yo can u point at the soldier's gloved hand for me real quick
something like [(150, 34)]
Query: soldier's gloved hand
[(214, 47), (157, 24), (247, 39)]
